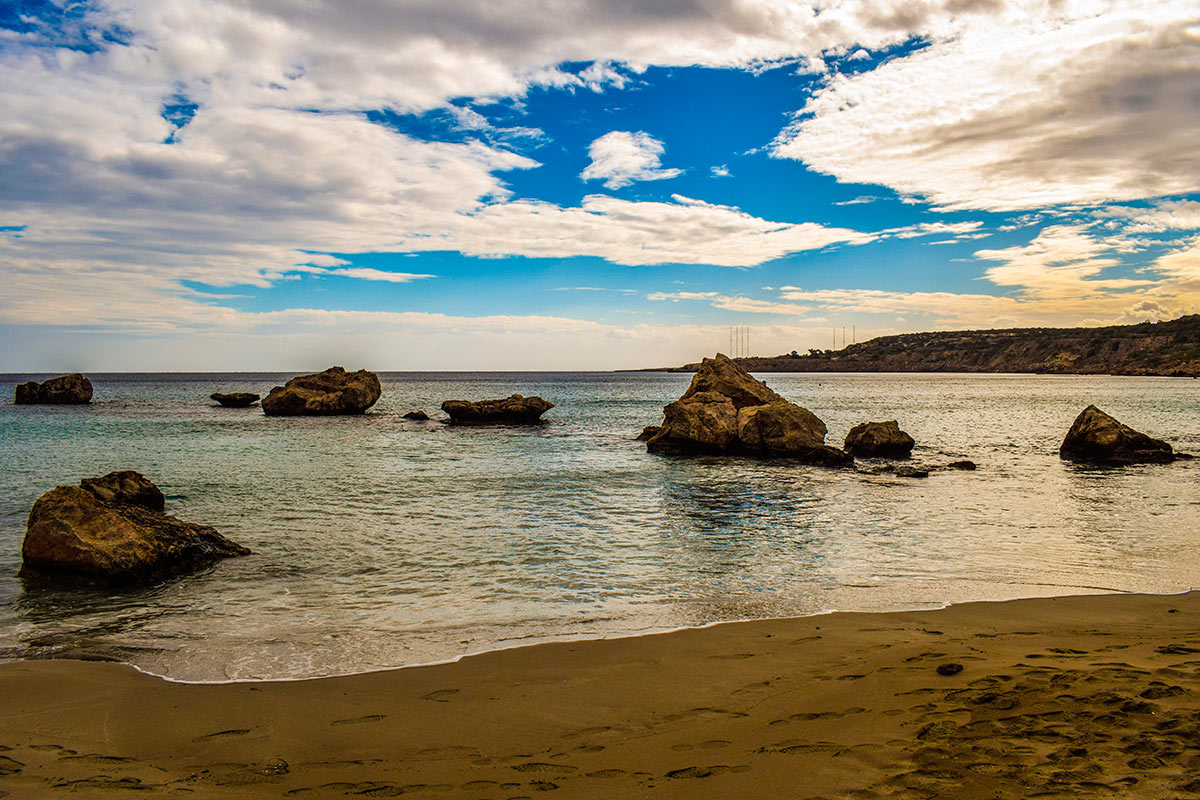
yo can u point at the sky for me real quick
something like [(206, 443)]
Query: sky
[(215, 185)]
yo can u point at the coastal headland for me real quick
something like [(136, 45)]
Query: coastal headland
[(1149, 348), (1087, 696)]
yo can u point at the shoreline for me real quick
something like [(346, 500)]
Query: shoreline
[(1078, 695)]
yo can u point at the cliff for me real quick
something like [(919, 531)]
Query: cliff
[(1150, 348)]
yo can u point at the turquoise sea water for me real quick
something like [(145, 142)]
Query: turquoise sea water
[(381, 542)]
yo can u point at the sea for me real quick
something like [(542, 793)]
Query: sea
[(381, 542)]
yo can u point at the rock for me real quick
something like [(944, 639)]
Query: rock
[(126, 487), (417, 415), (111, 530), (705, 422), (1098, 438), (723, 375), (333, 391), (236, 399), (949, 668), (725, 410), (73, 389), (647, 433), (513, 410), (963, 465), (879, 440), (906, 471)]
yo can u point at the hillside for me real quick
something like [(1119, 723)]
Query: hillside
[(1150, 348)]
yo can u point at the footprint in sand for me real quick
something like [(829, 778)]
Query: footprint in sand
[(536, 766), (208, 737), (705, 772), (441, 695), (359, 720), (606, 773)]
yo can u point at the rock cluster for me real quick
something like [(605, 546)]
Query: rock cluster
[(235, 399), (513, 410), (1097, 438), (113, 530), (879, 440), (73, 389), (726, 410), (333, 391)]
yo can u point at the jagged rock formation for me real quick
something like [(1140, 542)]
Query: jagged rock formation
[(73, 389), (235, 399), (878, 440), (1150, 348), (1100, 439), (725, 410), (513, 410), (112, 530), (333, 391)]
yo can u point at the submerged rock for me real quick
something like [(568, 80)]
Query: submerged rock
[(112, 530), (879, 440), (908, 471), (647, 433), (961, 465), (73, 389), (333, 391), (513, 410), (418, 415), (235, 399), (1100, 439), (726, 410)]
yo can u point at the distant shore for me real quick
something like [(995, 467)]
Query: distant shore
[(1062, 697)]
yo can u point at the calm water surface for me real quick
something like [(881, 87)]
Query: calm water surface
[(382, 542)]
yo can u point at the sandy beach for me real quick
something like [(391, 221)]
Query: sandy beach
[(1065, 697)]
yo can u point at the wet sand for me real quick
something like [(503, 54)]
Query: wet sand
[(1095, 696)]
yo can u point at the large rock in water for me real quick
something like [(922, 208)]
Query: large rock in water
[(73, 389), (879, 440), (235, 399), (727, 410), (1098, 438), (333, 391), (512, 410), (112, 530)]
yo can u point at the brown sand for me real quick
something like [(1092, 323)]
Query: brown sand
[(1073, 697)]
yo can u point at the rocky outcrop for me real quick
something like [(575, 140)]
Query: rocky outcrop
[(112, 530), (73, 389), (646, 434), (1097, 438), (726, 410), (878, 440), (235, 399), (513, 410), (417, 415), (333, 391)]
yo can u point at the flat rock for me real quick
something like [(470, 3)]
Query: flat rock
[(334, 391), (1097, 438), (418, 415), (111, 530), (512, 410), (235, 399), (73, 389), (879, 440)]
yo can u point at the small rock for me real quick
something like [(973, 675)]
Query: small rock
[(647, 433), (964, 465), (513, 410), (73, 389), (949, 669), (878, 440), (334, 391), (235, 399), (906, 471), (417, 415), (1100, 439)]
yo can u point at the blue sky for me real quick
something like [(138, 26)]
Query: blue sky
[(206, 185)]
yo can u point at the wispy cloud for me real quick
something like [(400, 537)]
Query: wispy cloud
[(619, 158)]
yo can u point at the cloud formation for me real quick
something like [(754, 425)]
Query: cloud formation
[(621, 157)]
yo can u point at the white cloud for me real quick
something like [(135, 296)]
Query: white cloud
[(676, 296), (1043, 103), (721, 171), (619, 158), (368, 274)]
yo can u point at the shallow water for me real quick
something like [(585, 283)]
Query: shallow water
[(382, 542)]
